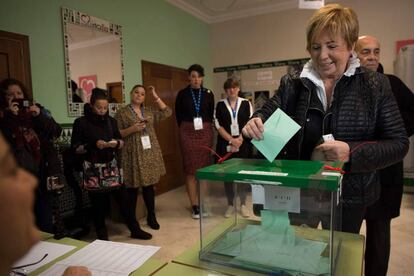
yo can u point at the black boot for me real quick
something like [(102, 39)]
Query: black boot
[(102, 234), (149, 200), (140, 234), (152, 222)]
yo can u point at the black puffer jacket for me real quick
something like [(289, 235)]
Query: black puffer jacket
[(87, 130), (363, 110)]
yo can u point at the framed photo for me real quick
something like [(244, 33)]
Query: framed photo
[(87, 83)]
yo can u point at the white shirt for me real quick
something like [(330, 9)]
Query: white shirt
[(310, 73)]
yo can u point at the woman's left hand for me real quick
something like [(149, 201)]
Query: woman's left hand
[(236, 142), (116, 143), (101, 144), (335, 151), (154, 94), (35, 110)]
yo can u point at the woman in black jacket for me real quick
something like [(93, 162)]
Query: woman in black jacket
[(334, 95), (96, 137)]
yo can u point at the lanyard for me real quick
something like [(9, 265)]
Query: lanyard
[(197, 103), (134, 114), (233, 111), (137, 119)]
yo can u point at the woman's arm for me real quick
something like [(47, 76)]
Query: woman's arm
[(124, 130), (116, 135), (132, 129), (78, 141), (163, 110), (391, 143), (157, 99), (46, 126)]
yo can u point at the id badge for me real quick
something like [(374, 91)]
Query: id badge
[(198, 123), (146, 143), (234, 129)]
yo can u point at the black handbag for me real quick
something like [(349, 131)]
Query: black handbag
[(102, 177)]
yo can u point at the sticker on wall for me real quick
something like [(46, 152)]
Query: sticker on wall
[(264, 75), (87, 83)]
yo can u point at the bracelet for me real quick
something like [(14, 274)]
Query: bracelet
[(157, 99)]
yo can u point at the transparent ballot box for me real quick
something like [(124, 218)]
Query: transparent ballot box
[(285, 218)]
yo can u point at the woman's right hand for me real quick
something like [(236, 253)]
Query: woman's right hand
[(254, 129), (140, 126), (77, 271), (13, 107), (101, 144)]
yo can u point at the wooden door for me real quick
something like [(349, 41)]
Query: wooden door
[(114, 92), (167, 81), (15, 59)]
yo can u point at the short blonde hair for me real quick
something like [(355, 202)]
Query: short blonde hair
[(335, 19)]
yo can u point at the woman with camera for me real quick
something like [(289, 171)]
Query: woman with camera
[(141, 156), (31, 131)]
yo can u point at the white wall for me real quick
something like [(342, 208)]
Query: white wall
[(95, 60), (281, 35)]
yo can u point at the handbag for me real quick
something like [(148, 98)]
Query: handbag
[(101, 177)]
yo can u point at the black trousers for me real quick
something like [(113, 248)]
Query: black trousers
[(43, 210), (100, 202), (378, 245), (148, 194), (352, 219)]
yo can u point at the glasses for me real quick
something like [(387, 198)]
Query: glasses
[(23, 269)]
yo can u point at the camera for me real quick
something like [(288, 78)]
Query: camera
[(23, 103)]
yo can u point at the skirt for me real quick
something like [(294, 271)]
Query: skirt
[(193, 143)]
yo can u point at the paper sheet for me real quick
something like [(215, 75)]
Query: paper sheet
[(36, 253), (282, 198), (278, 130), (106, 258)]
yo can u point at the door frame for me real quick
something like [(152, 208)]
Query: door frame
[(25, 55)]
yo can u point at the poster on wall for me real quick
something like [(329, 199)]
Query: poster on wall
[(247, 95), (87, 83), (260, 97), (311, 4), (402, 43)]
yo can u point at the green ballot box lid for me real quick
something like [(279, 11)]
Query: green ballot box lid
[(289, 173)]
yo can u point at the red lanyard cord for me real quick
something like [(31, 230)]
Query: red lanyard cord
[(330, 168), (220, 159)]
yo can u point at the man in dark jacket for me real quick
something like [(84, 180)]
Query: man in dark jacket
[(379, 215)]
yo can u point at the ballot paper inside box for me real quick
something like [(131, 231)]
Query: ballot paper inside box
[(294, 214)]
